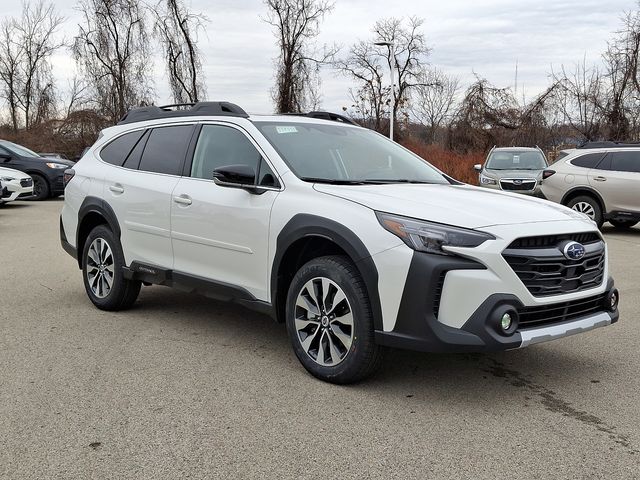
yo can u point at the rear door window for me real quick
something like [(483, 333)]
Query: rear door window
[(166, 149), (590, 160), (624, 162), (117, 151)]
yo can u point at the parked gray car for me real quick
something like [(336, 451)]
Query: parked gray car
[(513, 169)]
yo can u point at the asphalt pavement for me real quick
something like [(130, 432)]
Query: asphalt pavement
[(186, 387)]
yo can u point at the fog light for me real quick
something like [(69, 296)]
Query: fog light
[(505, 322), (613, 300)]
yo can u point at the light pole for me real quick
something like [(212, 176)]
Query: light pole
[(392, 49)]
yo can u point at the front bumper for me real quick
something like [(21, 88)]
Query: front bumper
[(417, 326), (13, 190), (441, 303)]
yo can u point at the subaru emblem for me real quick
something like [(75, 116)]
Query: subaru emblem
[(517, 182), (573, 251)]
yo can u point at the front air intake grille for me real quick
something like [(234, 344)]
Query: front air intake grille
[(518, 185), (545, 241), (546, 271), (437, 296), (26, 182), (535, 317)]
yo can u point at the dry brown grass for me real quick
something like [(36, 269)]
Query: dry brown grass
[(459, 166)]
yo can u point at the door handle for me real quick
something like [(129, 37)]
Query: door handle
[(600, 179), (183, 200), (116, 188)]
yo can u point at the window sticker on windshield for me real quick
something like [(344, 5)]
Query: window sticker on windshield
[(286, 129), (516, 159)]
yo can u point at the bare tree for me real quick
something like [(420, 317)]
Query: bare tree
[(433, 103), (25, 70), (177, 29), (112, 51), (296, 24), (367, 64), (581, 98)]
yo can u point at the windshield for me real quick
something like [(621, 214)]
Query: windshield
[(339, 154), (18, 149), (516, 160)]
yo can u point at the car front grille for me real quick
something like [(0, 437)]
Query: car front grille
[(518, 184), (535, 317), (26, 182), (546, 271)]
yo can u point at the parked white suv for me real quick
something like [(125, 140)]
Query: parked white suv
[(351, 240), (601, 180)]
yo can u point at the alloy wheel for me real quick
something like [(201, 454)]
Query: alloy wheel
[(100, 268), (324, 321), (586, 208)]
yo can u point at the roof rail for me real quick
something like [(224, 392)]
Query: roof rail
[(153, 112), (327, 116), (609, 144)]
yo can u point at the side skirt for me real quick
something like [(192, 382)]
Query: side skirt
[(193, 284)]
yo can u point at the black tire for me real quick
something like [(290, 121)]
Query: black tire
[(123, 292), (364, 355), (41, 190), (623, 224), (593, 203)]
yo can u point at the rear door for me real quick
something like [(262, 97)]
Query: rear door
[(222, 233), (617, 179), (139, 191)]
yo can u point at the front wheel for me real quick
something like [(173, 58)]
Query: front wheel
[(330, 323), (41, 190), (623, 224), (102, 262)]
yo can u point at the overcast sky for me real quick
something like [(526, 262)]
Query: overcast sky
[(467, 36)]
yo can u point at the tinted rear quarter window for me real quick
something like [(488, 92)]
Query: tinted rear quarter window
[(117, 151), (624, 162), (590, 160), (166, 149)]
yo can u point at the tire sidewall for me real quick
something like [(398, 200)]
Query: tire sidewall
[(107, 235), (45, 191), (362, 319), (594, 204)]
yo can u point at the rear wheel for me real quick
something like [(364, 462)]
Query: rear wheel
[(623, 224), (102, 262), (330, 323), (589, 206)]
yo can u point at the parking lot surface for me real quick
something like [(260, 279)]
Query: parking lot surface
[(186, 387)]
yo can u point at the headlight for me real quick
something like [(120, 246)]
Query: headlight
[(58, 166), (487, 180), (8, 179), (431, 237)]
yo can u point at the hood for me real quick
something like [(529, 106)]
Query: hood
[(10, 172), (512, 173), (460, 205)]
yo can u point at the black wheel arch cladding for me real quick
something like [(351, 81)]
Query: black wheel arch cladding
[(307, 225), (95, 205)]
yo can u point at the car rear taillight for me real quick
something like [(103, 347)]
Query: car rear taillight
[(547, 173), (68, 175)]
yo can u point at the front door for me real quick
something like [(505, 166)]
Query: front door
[(221, 233)]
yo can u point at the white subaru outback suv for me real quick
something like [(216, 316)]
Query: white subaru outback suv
[(351, 240)]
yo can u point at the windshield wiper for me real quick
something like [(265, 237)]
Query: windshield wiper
[(395, 180), (333, 181)]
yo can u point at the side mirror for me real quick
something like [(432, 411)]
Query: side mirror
[(238, 176), (477, 167)]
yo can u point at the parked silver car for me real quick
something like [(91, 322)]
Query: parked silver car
[(513, 169), (599, 179)]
